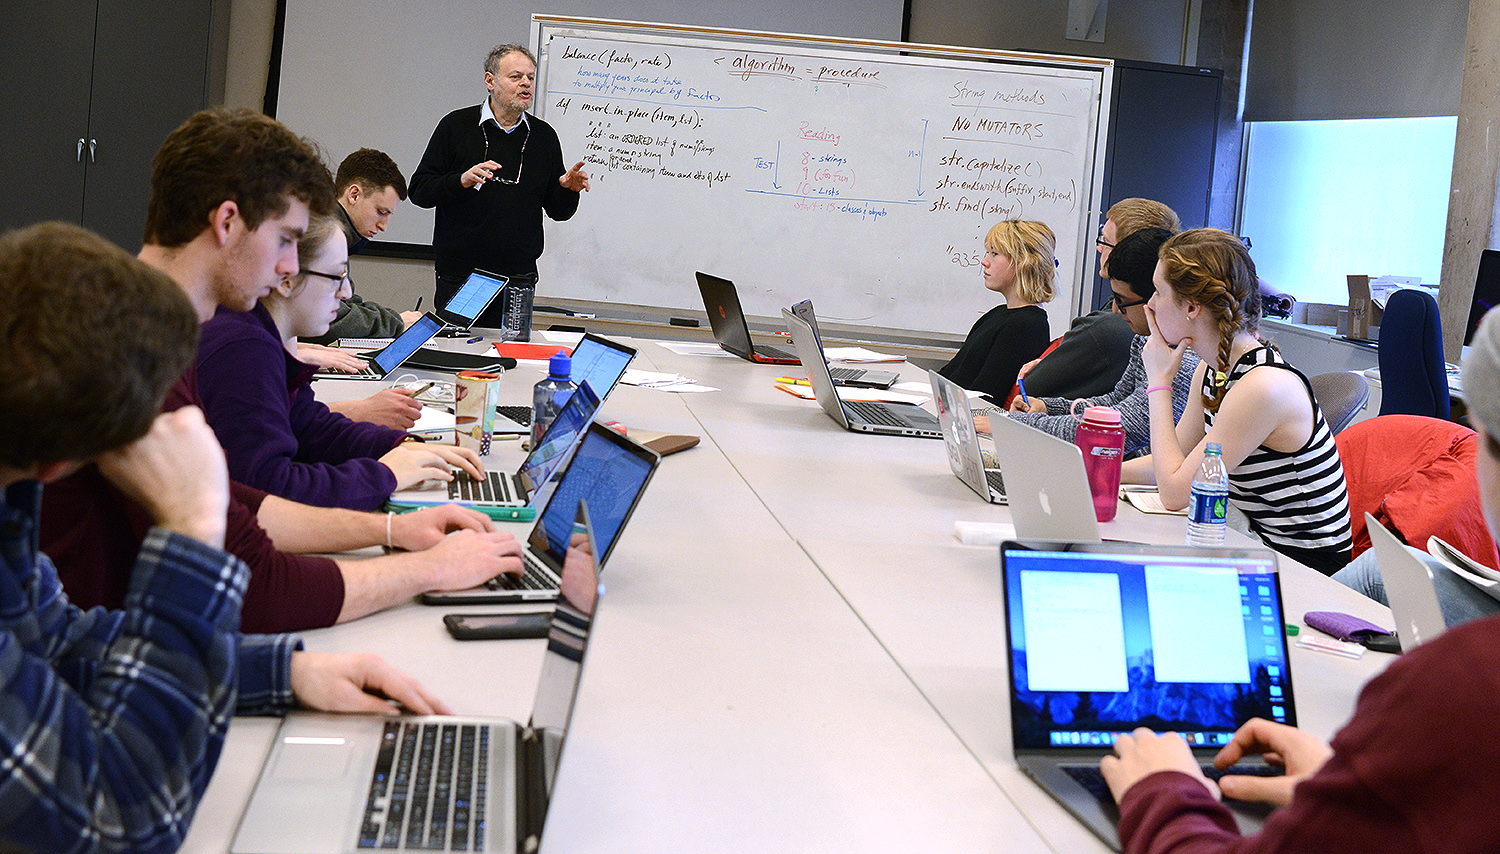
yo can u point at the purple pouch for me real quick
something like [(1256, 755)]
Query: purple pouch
[(1345, 627)]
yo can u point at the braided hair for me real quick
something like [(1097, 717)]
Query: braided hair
[(1212, 268)]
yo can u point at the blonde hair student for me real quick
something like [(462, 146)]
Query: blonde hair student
[(1284, 471), (1020, 264)]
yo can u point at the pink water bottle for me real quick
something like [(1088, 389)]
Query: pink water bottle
[(1102, 440)]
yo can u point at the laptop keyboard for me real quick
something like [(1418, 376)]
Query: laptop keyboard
[(495, 487), (996, 482), (519, 414), (845, 375), (534, 576), (1089, 776), (773, 353), (875, 413), (429, 788)]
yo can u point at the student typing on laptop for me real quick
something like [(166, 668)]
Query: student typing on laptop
[(225, 230), (1412, 770), (258, 397), (114, 719), (1020, 264)]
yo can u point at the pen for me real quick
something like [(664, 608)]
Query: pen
[(418, 306), (792, 381), (423, 388), (475, 340), (1021, 384)]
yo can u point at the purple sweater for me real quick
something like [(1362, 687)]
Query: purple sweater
[(276, 436)]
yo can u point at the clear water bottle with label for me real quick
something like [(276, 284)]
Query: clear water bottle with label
[(1208, 508), (550, 395)]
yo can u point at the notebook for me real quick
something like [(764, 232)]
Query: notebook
[(379, 365), (596, 360), (722, 302), (1107, 637), (514, 496), (858, 377), (896, 419), (608, 471), (339, 783), (1045, 484), (964, 454), (1409, 588), (472, 298)]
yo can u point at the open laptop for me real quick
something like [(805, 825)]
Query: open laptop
[(1045, 484), (965, 456), (1409, 589), (514, 496), (596, 360), (472, 298), (860, 416), (380, 364), (722, 302), (339, 783), (1107, 637), (608, 471), (858, 377)]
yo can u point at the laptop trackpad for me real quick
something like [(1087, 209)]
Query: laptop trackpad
[(313, 759)]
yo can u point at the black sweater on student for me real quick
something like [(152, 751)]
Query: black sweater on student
[(499, 226), (1001, 342)]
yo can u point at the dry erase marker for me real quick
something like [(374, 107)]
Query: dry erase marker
[(1021, 384), (475, 340)]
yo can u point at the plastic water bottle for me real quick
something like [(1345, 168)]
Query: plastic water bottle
[(550, 395), (1208, 509), (1102, 440)]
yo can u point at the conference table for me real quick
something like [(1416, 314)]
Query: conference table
[(794, 651)]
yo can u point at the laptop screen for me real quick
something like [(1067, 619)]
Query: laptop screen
[(406, 343), (600, 362), (477, 292), (554, 445), (609, 472), (1105, 638)]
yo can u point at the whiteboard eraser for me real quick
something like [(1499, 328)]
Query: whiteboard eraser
[(983, 533)]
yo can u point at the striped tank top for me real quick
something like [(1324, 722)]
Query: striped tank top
[(1296, 502)]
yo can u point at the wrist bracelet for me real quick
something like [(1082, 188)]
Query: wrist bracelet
[(388, 516), (1158, 388)]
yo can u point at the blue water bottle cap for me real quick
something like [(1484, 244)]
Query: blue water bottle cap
[(1213, 448), (560, 366)]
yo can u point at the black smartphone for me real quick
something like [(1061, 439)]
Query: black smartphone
[(532, 624)]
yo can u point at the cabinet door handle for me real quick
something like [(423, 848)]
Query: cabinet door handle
[(80, 149), (92, 143)]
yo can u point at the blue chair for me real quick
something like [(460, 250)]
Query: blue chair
[(1413, 376)]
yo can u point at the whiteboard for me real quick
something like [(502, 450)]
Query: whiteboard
[(861, 178)]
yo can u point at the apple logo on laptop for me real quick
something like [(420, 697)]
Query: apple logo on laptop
[(1045, 502)]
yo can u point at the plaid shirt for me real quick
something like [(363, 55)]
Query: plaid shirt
[(111, 721)]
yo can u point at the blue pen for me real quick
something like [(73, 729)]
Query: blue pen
[(1021, 384), (475, 340)]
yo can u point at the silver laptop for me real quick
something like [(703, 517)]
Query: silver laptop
[(381, 364), (596, 359), (610, 473), (857, 377), (342, 783), (965, 456), (896, 419), (1107, 637), (514, 496), (472, 298), (1045, 483), (1409, 589)]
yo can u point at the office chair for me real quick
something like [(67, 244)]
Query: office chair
[(1413, 376), (1341, 395)]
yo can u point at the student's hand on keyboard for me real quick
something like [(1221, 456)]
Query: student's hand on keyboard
[(329, 357), (468, 559), (358, 682), (462, 459), (427, 527), (1296, 751), (415, 462), (1143, 753), (393, 407)]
